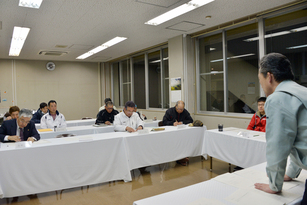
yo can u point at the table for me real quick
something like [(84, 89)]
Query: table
[(89, 129), (231, 146), (73, 123), (164, 146), (225, 189), (78, 130), (63, 163)]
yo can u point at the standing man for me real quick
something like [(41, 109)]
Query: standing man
[(128, 120), (43, 109), (258, 121), (53, 118), (20, 129), (106, 116), (286, 133), (177, 115)]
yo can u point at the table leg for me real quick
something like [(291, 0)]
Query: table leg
[(210, 164), (229, 168)]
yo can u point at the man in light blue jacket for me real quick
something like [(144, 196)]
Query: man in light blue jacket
[(286, 128)]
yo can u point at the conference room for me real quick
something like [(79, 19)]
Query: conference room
[(81, 52)]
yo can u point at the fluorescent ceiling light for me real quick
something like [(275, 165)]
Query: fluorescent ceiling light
[(299, 29), (157, 61), (233, 57), (30, 3), (295, 47), (102, 47), (278, 34), (184, 8), (18, 39)]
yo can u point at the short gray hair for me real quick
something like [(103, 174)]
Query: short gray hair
[(25, 113), (179, 102)]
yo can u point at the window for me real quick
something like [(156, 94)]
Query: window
[(116, 84), (242, 66), (287, 34), (211, 90), (154, 79), (130, 82), (165, 77), (139, 81), (126, 81)]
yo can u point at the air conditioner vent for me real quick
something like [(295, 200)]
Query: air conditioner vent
[(52, 53)]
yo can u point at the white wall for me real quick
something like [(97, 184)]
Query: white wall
[(74, 85)]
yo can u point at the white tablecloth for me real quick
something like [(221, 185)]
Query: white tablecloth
[(89, 129), (56, 164), (228, 146), (220, 191), (164, 146), (78, 130), (73, 123), (60, 163)]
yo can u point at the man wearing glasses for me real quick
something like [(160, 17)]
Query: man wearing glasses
[(128, 120), (20, 129), (106, 116)]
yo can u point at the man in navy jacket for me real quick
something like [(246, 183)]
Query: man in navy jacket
[(177, 115), (20, 129)]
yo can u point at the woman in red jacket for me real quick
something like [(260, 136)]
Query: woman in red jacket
[(258, 121)]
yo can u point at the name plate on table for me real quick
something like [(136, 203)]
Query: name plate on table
[(143, 131), (181, 126), (4, 146), (58, 129), (23, 144)]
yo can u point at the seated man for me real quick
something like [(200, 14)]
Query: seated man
[(106, 116), (105, 102), (128, 120), (258, 121), (43, 109), (13, 113), (136, 111), (177, 115), (20, 129), (53, 118)]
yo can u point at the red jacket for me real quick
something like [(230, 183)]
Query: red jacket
[(257, 123)]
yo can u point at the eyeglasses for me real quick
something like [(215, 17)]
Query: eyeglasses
[(24, 122)]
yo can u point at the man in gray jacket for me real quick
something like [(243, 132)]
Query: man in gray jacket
[(286, 111)]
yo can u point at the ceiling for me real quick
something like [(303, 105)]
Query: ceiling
[(85, 24)]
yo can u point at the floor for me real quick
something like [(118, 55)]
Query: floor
[(148, 181)]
